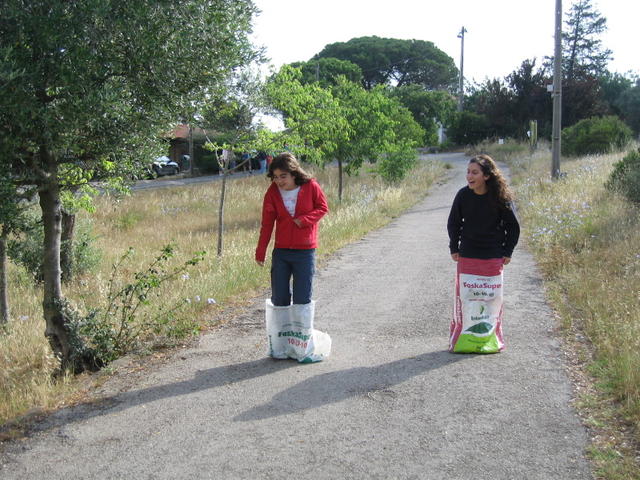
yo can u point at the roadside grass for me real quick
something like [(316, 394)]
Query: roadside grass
[(587, 243), (187, 217)]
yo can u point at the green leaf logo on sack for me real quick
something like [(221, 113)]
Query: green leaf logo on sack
[(482, 327)]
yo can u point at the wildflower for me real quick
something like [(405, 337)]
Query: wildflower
[(24, 318), (211, 301), (197, 298), (185, 276), (188, 300)]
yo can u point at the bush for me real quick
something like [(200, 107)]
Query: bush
[(27, 251), (208, 164), (625, 177), (134, 311), (395, 165), (595, 135), (468, 128)]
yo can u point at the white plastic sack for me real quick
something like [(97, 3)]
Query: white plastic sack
[(277, 318), (290, 333)]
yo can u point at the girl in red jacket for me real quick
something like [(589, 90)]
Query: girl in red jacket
[(295, 203)]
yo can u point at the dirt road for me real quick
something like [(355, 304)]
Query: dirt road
[(390, 403)]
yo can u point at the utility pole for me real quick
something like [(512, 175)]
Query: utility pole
[(461, 85), (556, 128)]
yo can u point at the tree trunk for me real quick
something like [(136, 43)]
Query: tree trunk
[(56, 324), (4, 285), (70, 353), (339, 181), (66, 252), (221, 212)]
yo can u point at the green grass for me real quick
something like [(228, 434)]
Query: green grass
[(187, 217)]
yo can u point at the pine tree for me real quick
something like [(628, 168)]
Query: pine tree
[(583, 52)]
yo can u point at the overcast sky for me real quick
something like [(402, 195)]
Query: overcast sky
[(500, 33)]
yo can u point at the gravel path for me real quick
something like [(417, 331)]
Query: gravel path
[(390, 403)]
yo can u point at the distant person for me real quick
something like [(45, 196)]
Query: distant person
[(295, 204), (231, 161), (246, 162), (262, 161), (483, 232), (228, 161), (185, 162)]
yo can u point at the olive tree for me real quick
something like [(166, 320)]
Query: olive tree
[(87, 87)]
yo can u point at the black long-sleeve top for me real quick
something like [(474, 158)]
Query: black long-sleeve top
[(478, 229)]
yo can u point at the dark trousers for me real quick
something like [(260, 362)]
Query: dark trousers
[(285, 264)]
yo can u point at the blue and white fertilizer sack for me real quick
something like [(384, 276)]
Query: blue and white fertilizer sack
[(290, 333)]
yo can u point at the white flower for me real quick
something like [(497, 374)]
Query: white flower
[(188, 300), (185, 276), (211, 301), (197, 298)]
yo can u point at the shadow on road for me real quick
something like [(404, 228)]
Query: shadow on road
[(203, 380), (334, 387), (311, 393)]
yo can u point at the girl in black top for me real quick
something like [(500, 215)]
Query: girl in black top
[(483, 231), (482, 223)]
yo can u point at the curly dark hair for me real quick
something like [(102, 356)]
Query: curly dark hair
[(287, 163), (499, 192)]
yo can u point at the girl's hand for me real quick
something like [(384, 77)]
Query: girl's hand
[(455, 256), (260, 263), (506, 260), (297, 222)]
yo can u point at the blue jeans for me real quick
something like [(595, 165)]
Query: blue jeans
[(296, 263)]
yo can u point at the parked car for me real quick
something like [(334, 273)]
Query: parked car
[(164, 166)]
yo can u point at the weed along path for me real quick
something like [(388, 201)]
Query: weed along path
[(390, 402)]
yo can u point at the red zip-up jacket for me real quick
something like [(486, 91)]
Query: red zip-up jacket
[(311, 206)]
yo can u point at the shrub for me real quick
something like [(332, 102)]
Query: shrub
[(208, 164), (625, 177), (128, 319), (595, 135), (395, 165), (468, 128), (28, 251)]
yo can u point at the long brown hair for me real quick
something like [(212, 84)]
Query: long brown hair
[(288, 163), (499, 192)]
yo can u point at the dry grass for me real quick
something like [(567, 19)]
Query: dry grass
[(187, 217), (587, 242)]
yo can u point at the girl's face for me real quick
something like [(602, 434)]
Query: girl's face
[(476, 179), (284, 179)]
